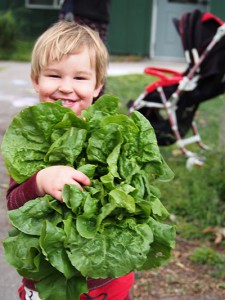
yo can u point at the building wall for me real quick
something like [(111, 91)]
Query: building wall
[(217, 7), (129, 29)]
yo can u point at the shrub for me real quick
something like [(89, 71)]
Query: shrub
[(8, 29)]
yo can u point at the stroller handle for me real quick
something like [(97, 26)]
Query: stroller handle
[(165, 80), (159, 72)]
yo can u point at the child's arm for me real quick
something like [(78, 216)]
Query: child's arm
[(47, 181), (18, 194)]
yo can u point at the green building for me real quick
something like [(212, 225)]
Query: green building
[(137, 27)]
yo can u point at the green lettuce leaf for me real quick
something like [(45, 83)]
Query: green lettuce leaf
[(30, 218), (56, 286)]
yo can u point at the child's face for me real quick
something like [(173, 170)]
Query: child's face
[(73, 80)]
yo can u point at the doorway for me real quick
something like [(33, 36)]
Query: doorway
[(165, 41)]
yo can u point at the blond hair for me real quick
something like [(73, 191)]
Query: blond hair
[(64, 38)]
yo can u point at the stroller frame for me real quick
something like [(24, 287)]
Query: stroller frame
[(170, 105)]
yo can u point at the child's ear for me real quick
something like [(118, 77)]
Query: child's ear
[(97, 90), (35, 83)]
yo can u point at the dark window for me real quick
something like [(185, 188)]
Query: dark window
[(51, 4)]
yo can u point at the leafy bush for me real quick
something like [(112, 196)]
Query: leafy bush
[(8, 29), (21, 52)]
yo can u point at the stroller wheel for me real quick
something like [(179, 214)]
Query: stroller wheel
[(194, 161)]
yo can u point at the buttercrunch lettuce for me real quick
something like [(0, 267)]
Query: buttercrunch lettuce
[(109, 229)]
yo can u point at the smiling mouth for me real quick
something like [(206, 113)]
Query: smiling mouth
[(67, 102)]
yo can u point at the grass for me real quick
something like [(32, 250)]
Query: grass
[(210, 257), (206, 256), (127, 87)]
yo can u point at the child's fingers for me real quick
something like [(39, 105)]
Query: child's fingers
[(81, 178), (74, 182), (57, 194)]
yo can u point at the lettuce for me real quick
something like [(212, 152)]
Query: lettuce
[(109, 229)]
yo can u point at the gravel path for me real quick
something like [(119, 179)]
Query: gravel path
[(15, 92)]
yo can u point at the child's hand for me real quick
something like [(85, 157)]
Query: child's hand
[(51, 180)]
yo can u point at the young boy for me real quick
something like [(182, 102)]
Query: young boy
[(69, 62)]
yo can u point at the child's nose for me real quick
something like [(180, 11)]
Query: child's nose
[(66, 86)]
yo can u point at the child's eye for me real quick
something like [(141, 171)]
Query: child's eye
[(80, 78), (53, 76), (50, 75)]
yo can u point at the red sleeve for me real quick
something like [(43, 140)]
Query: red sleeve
[(18, 194)]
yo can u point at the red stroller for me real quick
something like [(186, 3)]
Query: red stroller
[(171, 102)]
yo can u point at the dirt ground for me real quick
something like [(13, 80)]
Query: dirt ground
[(180, 279)]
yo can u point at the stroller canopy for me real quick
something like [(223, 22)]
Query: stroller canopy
[(196, 30)]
